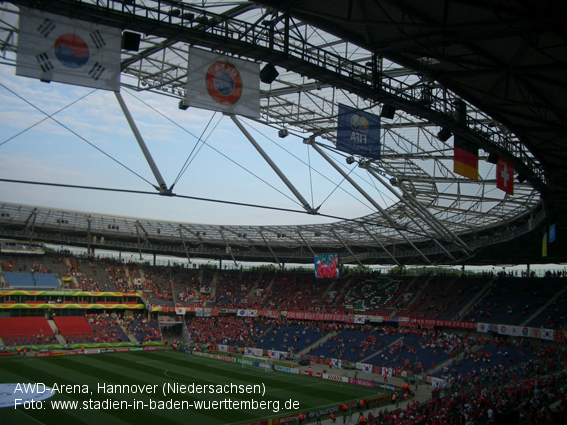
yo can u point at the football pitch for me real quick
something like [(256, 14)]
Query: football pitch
[(165, 387)]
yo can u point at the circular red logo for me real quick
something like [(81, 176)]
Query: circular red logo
[(224, 83)]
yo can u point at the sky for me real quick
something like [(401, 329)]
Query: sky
[(91, 144), (70, 135)]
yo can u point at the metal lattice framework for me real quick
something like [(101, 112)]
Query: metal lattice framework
[(438, 217)]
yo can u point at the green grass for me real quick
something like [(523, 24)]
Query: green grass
[(157, 368)]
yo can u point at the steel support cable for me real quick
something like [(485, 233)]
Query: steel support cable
[(78, 135), (338, 185), (310, 177), (44, 119), (190, 159), (199, 138), (217, 151), (195, 198), (141, 192), (318, 172)]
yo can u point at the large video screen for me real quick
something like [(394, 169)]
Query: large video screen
[(326, 265)]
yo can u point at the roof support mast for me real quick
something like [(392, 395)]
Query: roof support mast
[(388, 217), (271, 163), (381, 245), (184, 244), (407, 204), (228, 247), (271, 250), (347, 248), (162, 188), (429, 218)]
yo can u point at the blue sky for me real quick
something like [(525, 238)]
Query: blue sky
[(51, 152)]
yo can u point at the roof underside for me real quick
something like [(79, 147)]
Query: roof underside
[(506, 61)]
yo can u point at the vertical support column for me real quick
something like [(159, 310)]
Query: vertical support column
[(286, 34), (32, 227), (89, 237)]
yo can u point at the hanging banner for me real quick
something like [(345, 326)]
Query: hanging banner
[(547, 334), (552, 233), (254, 351), (56, 48), (325, 317), (505, 176), (465, 156), (222, 83), (358, 132)]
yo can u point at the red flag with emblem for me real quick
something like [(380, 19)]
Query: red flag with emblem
[(505, 176)]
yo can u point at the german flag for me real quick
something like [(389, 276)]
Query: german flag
[(465, 157)]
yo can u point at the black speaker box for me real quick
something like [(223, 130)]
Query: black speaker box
[(268, 74), (387, 111), (131, 41)]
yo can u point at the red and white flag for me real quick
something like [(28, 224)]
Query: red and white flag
[(222, 83), (55, 48), (505, 176)]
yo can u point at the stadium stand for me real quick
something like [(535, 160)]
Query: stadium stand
[(25, 331), (106, 328), (142, 329), (298, 291), (72, 325), (19, 279), (230, 330), (293, 336), (74, 329), (239, 290), (512, 301), (520, 395), (46, 280), (371, 295), (350, 344), (186, 287), (158, 286)]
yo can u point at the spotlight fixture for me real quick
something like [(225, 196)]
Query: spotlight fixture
[(492, 158), (268, 74), (388, 111), (131, 41), (444, 134)]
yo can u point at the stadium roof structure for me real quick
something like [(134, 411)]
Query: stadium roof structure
[(491, 72)]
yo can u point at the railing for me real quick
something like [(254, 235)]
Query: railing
[(275, 40)]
